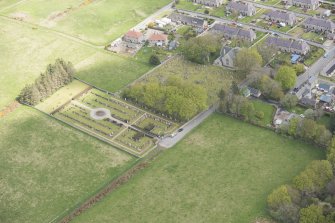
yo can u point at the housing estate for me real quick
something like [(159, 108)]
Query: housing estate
[(234, 32), (286, 45), (278, 16), (306, 4), (227, 57), (319, 25), (212, 3), (188, 20), (243, 8)]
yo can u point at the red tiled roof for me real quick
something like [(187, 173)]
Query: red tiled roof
[(134, 34), (158, 37)]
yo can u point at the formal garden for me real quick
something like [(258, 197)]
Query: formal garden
[(114, 121)]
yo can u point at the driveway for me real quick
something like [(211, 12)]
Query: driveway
[(169, 142)]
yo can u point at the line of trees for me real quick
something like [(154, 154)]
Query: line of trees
[(311, 196), (232, 102), (176, 98), (56, 76), (308, 130)]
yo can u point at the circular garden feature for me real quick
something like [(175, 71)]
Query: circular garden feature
[(100, 113)]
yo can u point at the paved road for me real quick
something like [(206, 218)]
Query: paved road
[(315, 69), (169, 142), (250, 26)]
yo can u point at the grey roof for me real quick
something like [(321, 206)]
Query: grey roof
[(234, 31), (241, 6), (255, 92), (176, 17), (281, 42), (308, 2), (288, 16), (320, 22), (308, 102)]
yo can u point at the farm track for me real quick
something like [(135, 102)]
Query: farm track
[(13, 5)]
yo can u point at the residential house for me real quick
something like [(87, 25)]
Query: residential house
[(278, 16), (308, 102), (227, 57), (306, 4), (242, 8), (255, 92), (212, 3), (287, 45), (188, 20), (158, 39), (234, 32), (133, 36), (329, 70), (319, 25)]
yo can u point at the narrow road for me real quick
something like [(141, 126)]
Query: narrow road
[(315, 69), (169, 142)]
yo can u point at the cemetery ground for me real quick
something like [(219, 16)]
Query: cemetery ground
[(29, 49), (47, 168), (108, 118), (218, 173), (212, 78), (98, 22)]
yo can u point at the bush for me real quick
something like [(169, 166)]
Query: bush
[(259, 115), (154, 60)]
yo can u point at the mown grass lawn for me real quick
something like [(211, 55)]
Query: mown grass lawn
[(267, 109), (98, 22), (221, 172), (47, 167), (28, 50)]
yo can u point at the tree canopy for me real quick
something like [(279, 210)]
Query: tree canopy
[(287, 77), (56, 76), (247, 59), (200, 49), (176, 98), (315, 177)]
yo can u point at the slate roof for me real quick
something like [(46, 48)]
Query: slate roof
[(234, 31), (320, 22), (308, 2), (281, 42), (240, 6), (308, 102), (287, 16), (176, 17)]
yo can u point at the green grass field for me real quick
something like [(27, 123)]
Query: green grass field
[(221, 172), (98, 22), (47, 167), (29, 49), (267, 109)]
